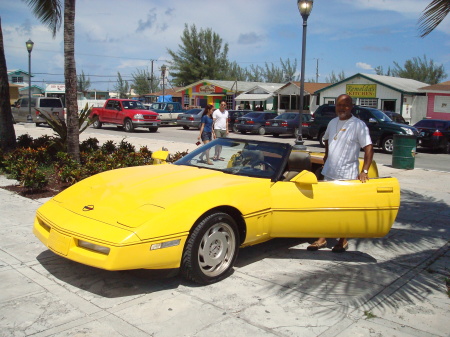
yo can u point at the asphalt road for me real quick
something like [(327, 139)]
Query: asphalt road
[(424, 159)]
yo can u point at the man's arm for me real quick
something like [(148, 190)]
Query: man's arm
[(368, 156)]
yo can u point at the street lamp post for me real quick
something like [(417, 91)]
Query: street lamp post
[(305, 7), (29, 45), (163, 74)]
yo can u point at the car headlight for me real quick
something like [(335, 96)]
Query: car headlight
[(408, 131), (93, 246), (139, 116)]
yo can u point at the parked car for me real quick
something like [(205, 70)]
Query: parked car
[(137, 218), (190, 119), (382, 129), (128, 113), (395, 117), (434, 134), (289, 123), (254, 122), (168, 111), (233, 115), (39, 106)]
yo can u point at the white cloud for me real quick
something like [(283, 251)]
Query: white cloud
[(362, 65)]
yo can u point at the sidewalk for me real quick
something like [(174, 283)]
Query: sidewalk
[(393, 286)]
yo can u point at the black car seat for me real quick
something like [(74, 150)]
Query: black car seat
[(297, 162)]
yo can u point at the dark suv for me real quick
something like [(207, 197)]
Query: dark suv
[(254, 122), (382, 129)]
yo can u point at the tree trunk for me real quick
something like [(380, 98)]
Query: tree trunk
[(7, 133), (70, 73)]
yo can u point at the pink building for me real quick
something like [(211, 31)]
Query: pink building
[(438, 104)]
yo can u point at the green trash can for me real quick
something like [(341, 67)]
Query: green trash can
[(404, 152)]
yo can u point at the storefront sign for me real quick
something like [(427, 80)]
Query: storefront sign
[(56, 88), (362, 90), (206, 89)]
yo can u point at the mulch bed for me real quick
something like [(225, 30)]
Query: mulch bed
[(53, 188)]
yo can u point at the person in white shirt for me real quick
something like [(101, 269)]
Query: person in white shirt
[(344, 137), (220, 118)]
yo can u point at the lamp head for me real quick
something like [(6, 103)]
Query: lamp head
[(29, 45), (163, 68), (305, 8)]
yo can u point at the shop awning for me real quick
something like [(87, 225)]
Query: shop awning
[(253, 97)]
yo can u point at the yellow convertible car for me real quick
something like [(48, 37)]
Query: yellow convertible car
[(195, 216)]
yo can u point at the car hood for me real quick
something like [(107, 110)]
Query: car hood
[(132, 195)]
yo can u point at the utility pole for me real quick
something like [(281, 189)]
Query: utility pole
[(151, 78), (317, 70)]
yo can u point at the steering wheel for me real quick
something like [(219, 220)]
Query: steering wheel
[(265, 163)]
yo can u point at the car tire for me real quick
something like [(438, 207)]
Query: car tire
[(97, 124), (153, 129), (261, 131), (320, 138), (243, 132), (211, 249), (387, 144), (128, 125), (185, 127), (235, 130), (276, 135)]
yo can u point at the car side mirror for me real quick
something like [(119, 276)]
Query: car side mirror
[(373, 120), (305, 178)]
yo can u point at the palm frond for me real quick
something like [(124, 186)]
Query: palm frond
[(49, 12), (433, 15)]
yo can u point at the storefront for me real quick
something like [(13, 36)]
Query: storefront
[(212, 92), (438, 99), (386, 93)]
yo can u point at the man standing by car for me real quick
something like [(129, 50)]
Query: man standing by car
[(220, 118), (344, 137)]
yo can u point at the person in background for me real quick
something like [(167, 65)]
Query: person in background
[(344, 137), (206, 134), (220, 118)]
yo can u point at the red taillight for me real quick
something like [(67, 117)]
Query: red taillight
[(283, 123), (268, 123), (191, 118), (249, 122), (236, 120), (437, 133), (305, 124), (37, 112)]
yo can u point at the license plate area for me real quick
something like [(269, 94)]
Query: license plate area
[(58, 242)]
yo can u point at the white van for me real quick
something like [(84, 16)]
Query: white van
[(39, 106)]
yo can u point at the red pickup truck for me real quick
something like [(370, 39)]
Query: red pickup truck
[(127, 113)]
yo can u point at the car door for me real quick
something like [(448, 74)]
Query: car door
[(334, 208), (109, 112)]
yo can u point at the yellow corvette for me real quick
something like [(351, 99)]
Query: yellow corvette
[(195, 216)]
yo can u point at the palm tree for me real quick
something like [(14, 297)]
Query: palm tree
[(7, 133), (49, 12), (433, 15)]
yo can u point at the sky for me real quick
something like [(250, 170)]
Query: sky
[(111, 36)]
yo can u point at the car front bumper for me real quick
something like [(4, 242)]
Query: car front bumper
[(137, 254)]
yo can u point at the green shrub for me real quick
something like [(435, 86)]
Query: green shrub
[(24, 141), (108, 147), (34, 178), (89, 145), (126, 146)]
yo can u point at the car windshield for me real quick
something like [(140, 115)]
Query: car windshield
[(380, 115), (133, 105), (241, 157), (286, 115), (252, 115)]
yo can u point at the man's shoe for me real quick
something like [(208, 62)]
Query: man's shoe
[(316, 246), (340, 248)]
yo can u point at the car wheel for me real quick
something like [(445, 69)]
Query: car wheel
[(276, 135), (128, 125), (185, 127), (235, 130), (320, 137), (387, 144), (153, 129), (211, 249), (97, 124), (262, 130)]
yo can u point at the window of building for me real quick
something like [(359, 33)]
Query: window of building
[(17, 79), (369, 102), (186, 100), (229, 100)]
